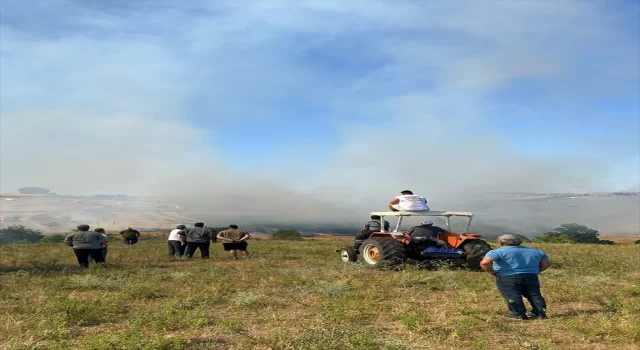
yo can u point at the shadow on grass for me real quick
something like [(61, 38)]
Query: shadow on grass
[(574, 313), (433, 265), (208, 342), (429, 265), (46, 268)]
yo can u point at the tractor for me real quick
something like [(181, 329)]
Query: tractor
[(395, 247)]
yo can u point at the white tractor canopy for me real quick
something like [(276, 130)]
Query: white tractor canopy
[(446, 214)]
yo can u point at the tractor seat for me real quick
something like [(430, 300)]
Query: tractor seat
[(423, 241), (419, 239)]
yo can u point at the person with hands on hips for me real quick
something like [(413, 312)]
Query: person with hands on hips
[(234, 240)]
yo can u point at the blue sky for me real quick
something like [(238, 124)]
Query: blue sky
[(323, 95)]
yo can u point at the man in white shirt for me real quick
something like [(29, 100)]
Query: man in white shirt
[(408, 201), (177, 241)]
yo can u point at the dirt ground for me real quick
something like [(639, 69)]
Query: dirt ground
[(620, 238)]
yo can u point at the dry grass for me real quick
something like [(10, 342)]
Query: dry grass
[(625, 239), (299, 295)]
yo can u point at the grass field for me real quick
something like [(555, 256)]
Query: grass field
[(299, 295)]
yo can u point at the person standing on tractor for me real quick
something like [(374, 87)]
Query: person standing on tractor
[(407, 201), (177, 241), (370, 227), (425, 233), (130, 236), (198, 237), (516, 269), (235, 240), (86, 243)]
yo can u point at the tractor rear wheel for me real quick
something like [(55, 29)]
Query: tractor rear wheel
[(348, 254), (476, 250), (378, 252)]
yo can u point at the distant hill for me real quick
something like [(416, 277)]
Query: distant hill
[(34, 190)]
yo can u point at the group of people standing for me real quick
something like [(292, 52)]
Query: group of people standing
[(88, 244), (183, 241)]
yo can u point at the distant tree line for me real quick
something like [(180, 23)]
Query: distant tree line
[(21, 234), (566, 233), (287, 235), (573, 233), (34, 190)]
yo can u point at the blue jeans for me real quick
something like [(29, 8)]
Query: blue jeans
[(514, 287)]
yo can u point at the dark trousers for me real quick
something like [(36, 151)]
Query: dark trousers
[(176, 247), (203, 246), (104, 251), (514, 287), (361, 238), (130, 241), (83, 256)]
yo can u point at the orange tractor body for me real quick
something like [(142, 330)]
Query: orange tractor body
[(454, 240), (391, 248)]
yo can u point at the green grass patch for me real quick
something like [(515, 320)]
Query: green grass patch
[(299, 295)]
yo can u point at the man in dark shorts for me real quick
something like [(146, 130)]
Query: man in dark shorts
[(86, 243), (235, 240), (130, 236), (198, 237)]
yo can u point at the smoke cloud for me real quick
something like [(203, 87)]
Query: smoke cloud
[(431, 97)]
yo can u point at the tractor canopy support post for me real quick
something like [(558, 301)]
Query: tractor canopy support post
[(398, 224), (445, 214), (466, 229)]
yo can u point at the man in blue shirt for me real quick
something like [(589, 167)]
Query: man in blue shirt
[(516, 269)]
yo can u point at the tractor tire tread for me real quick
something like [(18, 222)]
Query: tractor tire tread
[(476, 250), (392, 252)]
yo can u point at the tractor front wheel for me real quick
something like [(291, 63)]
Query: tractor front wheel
[(348, 254), (476, 249), (378, 252)]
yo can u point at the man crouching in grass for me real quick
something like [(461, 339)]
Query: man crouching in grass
[(516, 269), (235, 240)]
